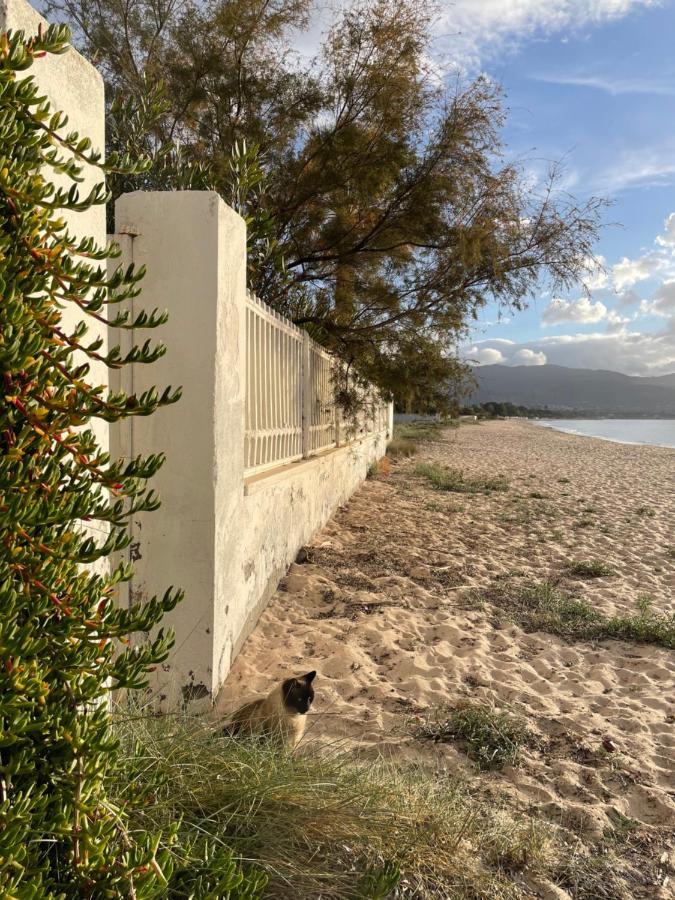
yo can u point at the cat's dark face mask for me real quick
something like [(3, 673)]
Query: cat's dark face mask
[(298, 693)]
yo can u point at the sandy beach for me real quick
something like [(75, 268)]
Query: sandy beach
[(391, 604)]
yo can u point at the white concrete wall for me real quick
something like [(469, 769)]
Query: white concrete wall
[(282, 510), (227, 542)]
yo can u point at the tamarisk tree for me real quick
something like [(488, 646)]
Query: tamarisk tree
[(64, 644)]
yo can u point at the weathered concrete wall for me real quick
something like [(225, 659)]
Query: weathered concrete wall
[(225, 541), (282, 510)]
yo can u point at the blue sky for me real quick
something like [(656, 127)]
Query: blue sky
[(591, 82)]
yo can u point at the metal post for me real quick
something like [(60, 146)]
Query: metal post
[(306, 394)]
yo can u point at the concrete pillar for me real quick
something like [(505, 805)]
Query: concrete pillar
[(194, 249)]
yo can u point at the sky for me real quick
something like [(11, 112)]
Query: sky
[(591, 83)]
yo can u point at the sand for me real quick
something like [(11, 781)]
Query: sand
[(381, 606)]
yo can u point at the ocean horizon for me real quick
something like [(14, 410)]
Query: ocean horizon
[(650, 432)]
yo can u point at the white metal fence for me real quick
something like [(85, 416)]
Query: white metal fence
[(291, 411)]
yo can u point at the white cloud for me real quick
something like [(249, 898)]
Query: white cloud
[(619, 347), (597, 277), (628, 272), (615, 321), (619, 350), (527, 357), (624, 299), (647, 165), (667, 239), (582, 310), (614, 86), (485, 356), (662, 303), (479, 28)]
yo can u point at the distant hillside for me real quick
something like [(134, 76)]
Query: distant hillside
[(582, 389)]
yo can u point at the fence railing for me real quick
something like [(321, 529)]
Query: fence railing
[(291, 411)]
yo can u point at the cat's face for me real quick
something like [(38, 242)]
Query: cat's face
[(298, 692)]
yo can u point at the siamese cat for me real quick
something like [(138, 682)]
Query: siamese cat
[(280, 715)]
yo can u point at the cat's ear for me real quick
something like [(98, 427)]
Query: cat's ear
[(309, 677)]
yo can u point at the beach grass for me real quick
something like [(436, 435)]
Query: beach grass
[(322, 823), (424, 430), (492, 738), (400, 446), (543, 606), (589, 569), (446, 479)]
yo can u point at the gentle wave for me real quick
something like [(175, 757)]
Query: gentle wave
[(654, 432)]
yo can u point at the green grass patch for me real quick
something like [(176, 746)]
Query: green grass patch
[(444, 479), (401, 447), (318, 823), (424, 430), (543, 606), (584, 522), (492, 739), (589, 569)]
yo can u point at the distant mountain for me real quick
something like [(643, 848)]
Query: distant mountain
[(560, 388)]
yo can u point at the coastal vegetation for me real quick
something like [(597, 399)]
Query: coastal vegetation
[(589, 569), (492, 738), (444, 478), (321, 823), (546, 606)]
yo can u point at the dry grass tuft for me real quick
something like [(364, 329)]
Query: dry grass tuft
[(322, 823), (492, 738), (544, 606), (401, 447), (444, 479)]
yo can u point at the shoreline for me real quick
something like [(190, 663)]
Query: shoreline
[(546, 423)]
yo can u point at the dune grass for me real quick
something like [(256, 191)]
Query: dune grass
[(322, 823), (492, 738), (589, 569), (424, 430), (543, 606), (444, 479), (401, 447)]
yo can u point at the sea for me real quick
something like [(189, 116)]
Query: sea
[(657, 432)]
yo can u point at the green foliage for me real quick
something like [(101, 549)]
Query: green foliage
[(134, 128), (424, 429), (493, 739), (542, 606), (401, 447), (64, 645), (590, 569), (378, 883), (209, 871), (444, 479)]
